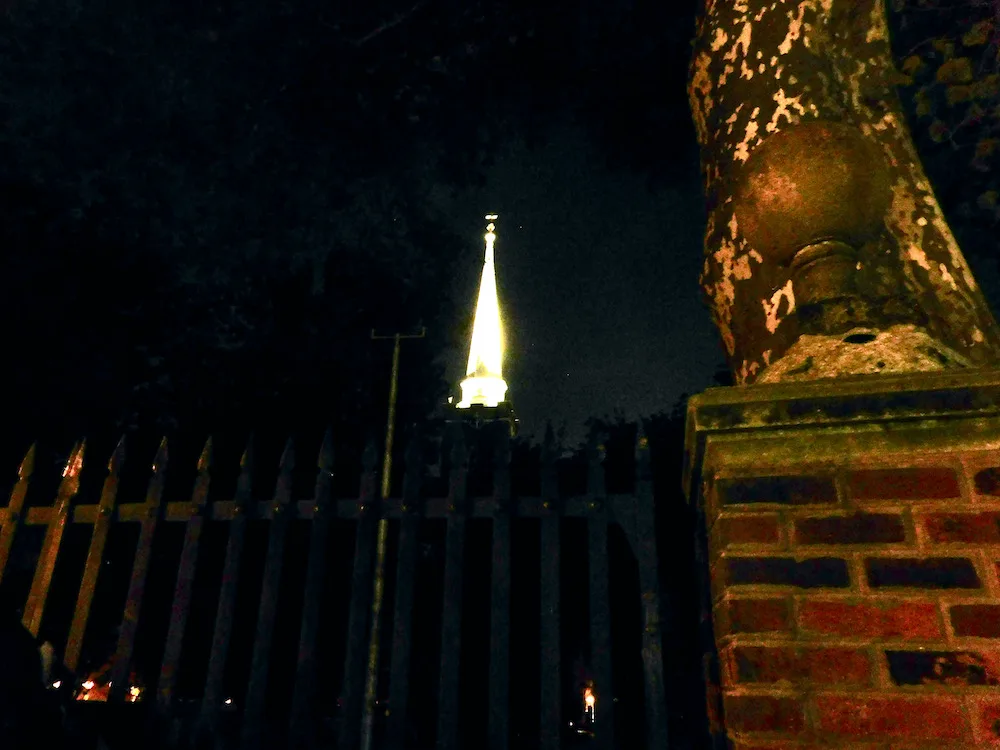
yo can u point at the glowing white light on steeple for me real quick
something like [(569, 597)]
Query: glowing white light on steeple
[(484, 384)]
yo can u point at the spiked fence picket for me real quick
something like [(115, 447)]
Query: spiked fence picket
[(633, 512)]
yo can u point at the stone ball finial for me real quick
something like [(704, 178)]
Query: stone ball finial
[(815, 181)]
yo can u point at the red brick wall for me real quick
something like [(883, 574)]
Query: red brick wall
[(858, 607)]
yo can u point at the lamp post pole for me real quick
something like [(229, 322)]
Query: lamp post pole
[(371, 677)]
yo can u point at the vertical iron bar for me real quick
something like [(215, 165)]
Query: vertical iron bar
[(120, 670), (451, 616), (185, 579), (551, 683), (499, 688), (15, 507), (600, 609), (305, 672), (95, 555), (253, 711), (222, 632), (406, 567), (46, 568), (646, 554), (361, 589), (375, 623)]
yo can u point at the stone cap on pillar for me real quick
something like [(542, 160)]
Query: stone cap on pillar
[(867, 402)]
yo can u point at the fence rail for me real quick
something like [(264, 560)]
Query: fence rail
[(632, 512)]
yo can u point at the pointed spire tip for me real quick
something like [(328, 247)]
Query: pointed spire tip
[(117, 456), (160, 461), (246, 459), (75, 461), (27, 467), (205, 459)]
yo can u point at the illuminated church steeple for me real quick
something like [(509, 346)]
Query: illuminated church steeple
[(484, 385)]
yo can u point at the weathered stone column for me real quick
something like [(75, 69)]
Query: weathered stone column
[(825, 244), (850, 525)]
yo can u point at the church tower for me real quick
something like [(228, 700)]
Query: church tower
[(484, 391)]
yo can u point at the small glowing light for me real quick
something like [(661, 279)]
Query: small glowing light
[(88, 685), (589, 704), (57, 684), (228, 701)]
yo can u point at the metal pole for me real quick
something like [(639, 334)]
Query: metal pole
[(371, 678), (390, 426)]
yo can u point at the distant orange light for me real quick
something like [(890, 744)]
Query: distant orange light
[(589, 705)]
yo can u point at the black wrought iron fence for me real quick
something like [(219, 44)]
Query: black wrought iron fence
[(313, 720)]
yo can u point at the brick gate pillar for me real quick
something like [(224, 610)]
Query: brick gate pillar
[(853, 548)]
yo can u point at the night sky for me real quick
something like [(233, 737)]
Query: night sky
[(184, 234), (598, 277)]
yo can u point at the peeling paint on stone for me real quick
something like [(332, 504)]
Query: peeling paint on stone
[(701, 86), (749, 370), (742, 152), (743, 40), (741, 267), (919, 257), (721, 37), (773, 311), (794, 29), (784, 109), (947, 277), (725, 74), (877, 30), (731, 120), (827, 59)]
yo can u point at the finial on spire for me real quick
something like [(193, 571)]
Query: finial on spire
[(490, 236)]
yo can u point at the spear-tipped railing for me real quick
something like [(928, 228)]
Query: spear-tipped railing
[(502, 508)]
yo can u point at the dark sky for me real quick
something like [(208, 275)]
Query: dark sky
[(598, 273), (598, 277), (237, 181)]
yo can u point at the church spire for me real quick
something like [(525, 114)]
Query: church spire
[(484, 384)]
